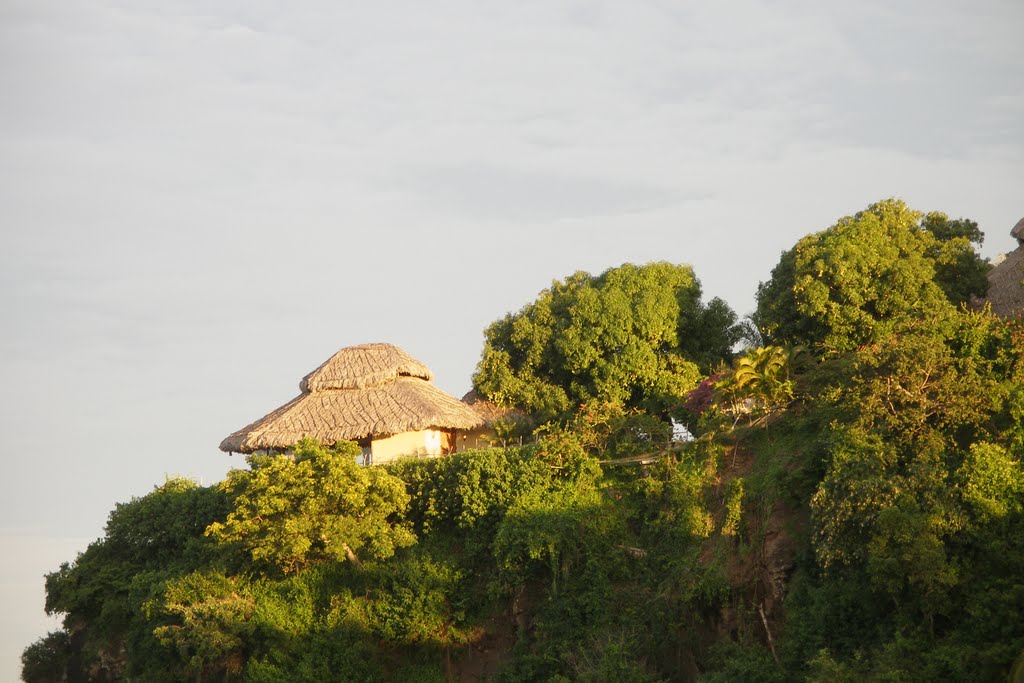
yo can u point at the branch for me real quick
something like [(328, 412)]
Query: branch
[(771, 644), (351, 556)]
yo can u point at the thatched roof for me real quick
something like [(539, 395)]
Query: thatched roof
[(361, 391), (1006, 285), (1006, 279), (489, 411), (368, 365)]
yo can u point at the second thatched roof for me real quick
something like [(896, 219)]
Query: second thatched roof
[(372, 390), (1006, 279), (489, 411)]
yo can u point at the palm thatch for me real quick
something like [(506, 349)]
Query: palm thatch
[(1006, 279), (373, 390), (368, 365)]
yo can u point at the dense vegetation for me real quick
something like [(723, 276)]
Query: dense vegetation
[(639, 336), (847, 285), (851, 506)]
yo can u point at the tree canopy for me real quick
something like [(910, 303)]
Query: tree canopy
[(846, 285), (635, 335), (318, 504)]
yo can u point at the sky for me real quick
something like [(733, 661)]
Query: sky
[(202, 201)]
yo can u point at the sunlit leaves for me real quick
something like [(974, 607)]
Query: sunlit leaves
[(992, 481), (319, 505), (847, 285), (633, 335)]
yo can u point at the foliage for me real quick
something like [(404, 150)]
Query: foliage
[(149, 532), (960, 271), (845, 286), (100, 594), (634, 335), (163, 526), (734, 662), (319, 505), (733, 507), (760, 383), (45, 660), (915, 502), (701, 399), (541, 534), (672, 501), (304, 627), (463, 497), (411, 601), (210, 614), (609, 430), (991, 482)]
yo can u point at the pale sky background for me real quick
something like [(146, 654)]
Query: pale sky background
[(201, 201)]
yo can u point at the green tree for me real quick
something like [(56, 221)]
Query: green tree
[(147, 541), (919, 506), (210, 615), (317, 505), (152, 532), (760, 382), (991, 482), (846, 285), (634, 335), (166, 525), (960, 270), (45, 660), (914, 405)]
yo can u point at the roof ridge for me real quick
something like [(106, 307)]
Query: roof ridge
[(366, 365)]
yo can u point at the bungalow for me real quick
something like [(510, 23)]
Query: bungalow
[(374, 394)]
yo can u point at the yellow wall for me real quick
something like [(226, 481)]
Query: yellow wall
[(426, 442)]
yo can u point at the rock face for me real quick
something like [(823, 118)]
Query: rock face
[(759, 577), (1018, 231)]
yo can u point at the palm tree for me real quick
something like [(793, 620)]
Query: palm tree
[(761, 379)]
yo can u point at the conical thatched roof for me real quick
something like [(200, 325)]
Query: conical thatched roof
[(368, 365), (1006, 280), (361, 391)]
